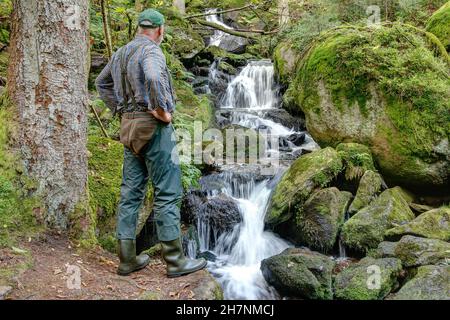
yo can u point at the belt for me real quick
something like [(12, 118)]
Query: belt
[(137, 115)]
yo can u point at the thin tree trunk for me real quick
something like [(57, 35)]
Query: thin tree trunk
[(180, 5), (47, 83), (138, 6), (283, 12), (106, 27)]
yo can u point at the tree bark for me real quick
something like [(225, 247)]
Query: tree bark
[(106, 27), (180, 5), (47, 83), (283, 12)]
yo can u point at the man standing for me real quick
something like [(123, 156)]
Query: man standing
[(137, 84)]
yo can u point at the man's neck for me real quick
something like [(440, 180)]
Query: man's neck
[(143, 35)]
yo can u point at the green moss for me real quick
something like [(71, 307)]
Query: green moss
[(4, 61), (365, 230), (18, 210), (439, 25), (357, 159), (433, 224), (306, 174), (353, 283)]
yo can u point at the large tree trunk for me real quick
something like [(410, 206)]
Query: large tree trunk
[(47, 83)]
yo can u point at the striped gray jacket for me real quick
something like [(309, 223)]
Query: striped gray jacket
[(148, 75)]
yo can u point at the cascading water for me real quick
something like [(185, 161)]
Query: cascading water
[(239, 252), (218, 35)]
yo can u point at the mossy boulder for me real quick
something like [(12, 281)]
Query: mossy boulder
[(369, 279), (439, 25), (430, 283), (387, 88), (321, 217), (385, 249), (433, 224), (370, 185), (300, 273), (184, 42), (365, 230), (285, 60), (415, 251), (357, 159), (309, 172)]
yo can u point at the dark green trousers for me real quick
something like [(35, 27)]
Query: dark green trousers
[(158, 162)]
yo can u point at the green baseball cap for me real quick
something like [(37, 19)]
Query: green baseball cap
[(151, 18)]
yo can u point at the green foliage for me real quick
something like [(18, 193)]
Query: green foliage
[(357, 159), (190, 176), (439, 25), (17, 208), (5, 28)]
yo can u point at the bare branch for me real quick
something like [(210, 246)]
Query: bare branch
[(218, 12)]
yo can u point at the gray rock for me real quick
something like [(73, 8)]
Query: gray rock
[(365, 230), (430, 283), (370, 186), (360, 282), (415, 251), (300, 273), (320, 219), (5, 291)]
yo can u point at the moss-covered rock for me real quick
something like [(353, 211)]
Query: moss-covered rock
[(285, 60), (386, 249), (430, 283), (365, 230), (369, 279), (215, 53), (357, 159), (433, 224), (370, 186), (439, 25), (319, 220), (314, 170), (300, 273), (386, 88), (415, 251)]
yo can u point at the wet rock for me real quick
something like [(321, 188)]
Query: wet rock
[(433, 224), (221, 213), (282, 117), (207, 288), (358, 282), (300, 273), (208, 256), (297, 138), (386, 249), (415, 251), (420, 208), (365, 230), (98, 62), (5, 291), (430, 283), (370, 185), (307, 173), (320, 219)]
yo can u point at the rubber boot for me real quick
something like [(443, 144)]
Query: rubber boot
[(128, 260), (177, 264)]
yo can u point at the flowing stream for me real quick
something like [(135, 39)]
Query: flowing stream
[(250, 96)]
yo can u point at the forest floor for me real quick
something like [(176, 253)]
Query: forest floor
[(44, 268)]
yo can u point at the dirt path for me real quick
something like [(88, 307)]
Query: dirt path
[(47, 269)]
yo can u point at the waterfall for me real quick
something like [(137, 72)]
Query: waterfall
[(254, 88), (218, 35)]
